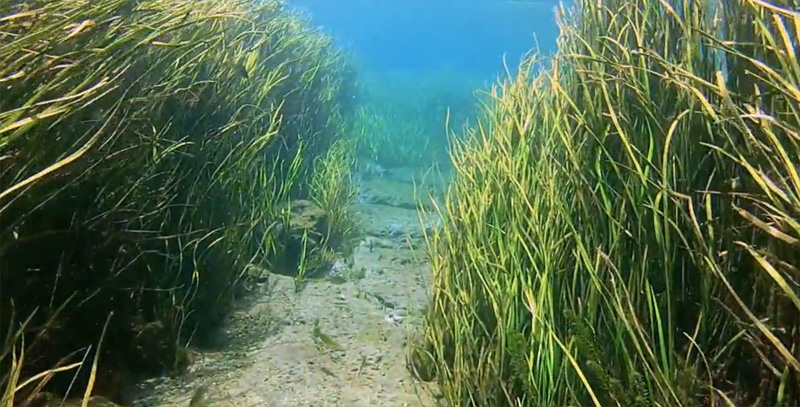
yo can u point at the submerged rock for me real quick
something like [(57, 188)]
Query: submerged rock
[(421, 363), (372, 169), (302, 236), (307, 216), (396, 229)]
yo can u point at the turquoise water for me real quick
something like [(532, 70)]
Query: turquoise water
[(418, 61), (419, 36)]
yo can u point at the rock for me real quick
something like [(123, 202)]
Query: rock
[(420, 363), (305, 233), (391, 192), (396, 229), (256, 274), (372, 169), (386, 193), (307, 216)]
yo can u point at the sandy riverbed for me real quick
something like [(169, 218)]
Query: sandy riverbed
[(272, 356)]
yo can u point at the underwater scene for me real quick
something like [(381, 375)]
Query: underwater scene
[(400, 203)]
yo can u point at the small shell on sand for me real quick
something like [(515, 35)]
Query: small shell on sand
[(393, 318)]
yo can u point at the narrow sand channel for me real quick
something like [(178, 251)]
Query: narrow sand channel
[(272, 355)]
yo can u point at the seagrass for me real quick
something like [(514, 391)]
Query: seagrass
[(145, 148), (622, 229)]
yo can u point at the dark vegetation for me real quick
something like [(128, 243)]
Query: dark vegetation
[(148, 152), (623, 226), (621, 230)]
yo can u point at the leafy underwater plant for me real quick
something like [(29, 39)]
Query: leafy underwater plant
[(398, 121), (144, 146), (622, 227), (333, 188)]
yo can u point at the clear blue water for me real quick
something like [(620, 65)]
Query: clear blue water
[(419, 36), (422, 36), (417, 60)]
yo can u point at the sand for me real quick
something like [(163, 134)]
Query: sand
[(273, 355)]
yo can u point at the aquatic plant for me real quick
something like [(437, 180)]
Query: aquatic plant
[(386, 138), (333, 188), (623, 226), (399, 117), (145, 148)]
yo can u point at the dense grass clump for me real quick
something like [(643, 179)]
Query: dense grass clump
[(332, 188), (145, 150), (623, 228), (399, 117)]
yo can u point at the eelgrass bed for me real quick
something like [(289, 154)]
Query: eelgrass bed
[(147, 149), (624, 225), (399, 120)]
